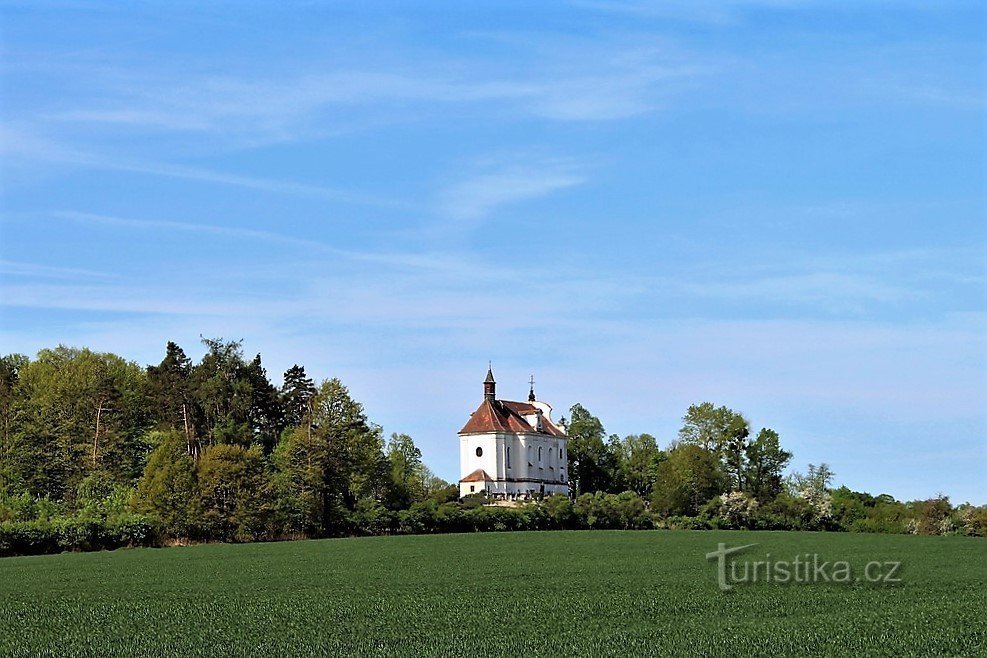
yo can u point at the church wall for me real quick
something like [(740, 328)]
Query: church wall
[(488, 461)]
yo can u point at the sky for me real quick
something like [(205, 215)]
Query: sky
[(772, 205)]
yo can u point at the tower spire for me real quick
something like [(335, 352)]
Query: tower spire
[(490, 384), (531, 391)]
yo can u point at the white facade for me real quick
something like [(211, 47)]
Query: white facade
[(512, 450)]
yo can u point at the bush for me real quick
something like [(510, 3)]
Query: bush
[(687, 523), (75, 534)]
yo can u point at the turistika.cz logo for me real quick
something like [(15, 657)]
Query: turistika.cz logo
[(803, 569)]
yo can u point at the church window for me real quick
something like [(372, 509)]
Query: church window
[(539, 454), (508, 458), (479, 451)]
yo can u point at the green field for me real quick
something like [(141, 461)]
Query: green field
[(550, 593)]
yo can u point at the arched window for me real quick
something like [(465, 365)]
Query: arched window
[(539, 454), (508, 458)]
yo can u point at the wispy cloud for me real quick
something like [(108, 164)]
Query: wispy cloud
[(229, 231), (476, 197), (37, 270), (566, 81), (834, 290), (21, 145), (437, 262)]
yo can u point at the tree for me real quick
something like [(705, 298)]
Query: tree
[(592, 463), (220, 388), (813, 487), (325, 471), (933, 516), (265, 414), (300, 482), (169, 392), (764, 464), (168, 489), (296, 397), (689, 478), (709, 426), (406, 471), (84, 411), (232, 491), (639, 458), (11, 402), (721, 431), (435, 487)]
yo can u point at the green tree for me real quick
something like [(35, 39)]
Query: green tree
[(265, 414), (168, 490), (407, 485), (297, 393), (592, 462), (84, 411), (300, 483), (328, 468), (709, 426), (11, 404), (721, 431), (169, 386), (221, 390), (689, 478), (232, 492), (764, 464), (639, 458)]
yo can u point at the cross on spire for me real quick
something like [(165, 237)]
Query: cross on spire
[(531, 392)]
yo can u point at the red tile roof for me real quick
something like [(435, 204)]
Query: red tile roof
[(506, 416), (479, 475)]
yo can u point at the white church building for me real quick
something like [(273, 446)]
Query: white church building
[(512, 450)]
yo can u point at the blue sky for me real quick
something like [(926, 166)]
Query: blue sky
[(777, 206)]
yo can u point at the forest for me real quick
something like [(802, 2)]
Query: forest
[(98, 452)]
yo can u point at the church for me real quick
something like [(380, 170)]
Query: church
[(512, 450)]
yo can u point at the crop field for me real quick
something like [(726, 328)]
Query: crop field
[(551, 593)]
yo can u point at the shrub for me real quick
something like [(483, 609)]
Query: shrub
[(75, 534)]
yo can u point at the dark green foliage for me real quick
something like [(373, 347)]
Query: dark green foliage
[(639, 458), (76, 534), (407, 485), (296, 397), (77, 412), (265, 415), (593, 466), (221, 389), (764, 463), (232, 496), (686, 480), (169, 391), (168, 490)]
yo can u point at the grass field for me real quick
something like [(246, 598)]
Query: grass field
[(564, 593)]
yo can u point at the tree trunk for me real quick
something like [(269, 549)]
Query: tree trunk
[(190, 443), (99, 413)]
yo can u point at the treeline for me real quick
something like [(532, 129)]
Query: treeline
[(99, 452), (717, 474)]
